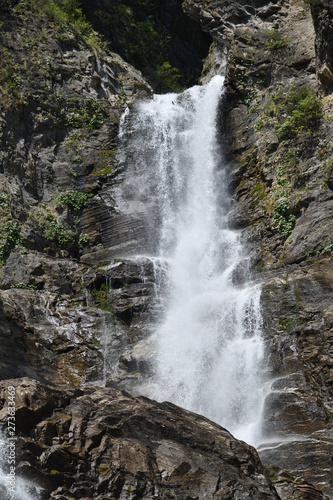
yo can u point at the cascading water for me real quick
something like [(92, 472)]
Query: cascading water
[(209, 350), (11, 486)]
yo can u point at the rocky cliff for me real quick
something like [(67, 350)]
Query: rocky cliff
[(279, 141), (66, 273)]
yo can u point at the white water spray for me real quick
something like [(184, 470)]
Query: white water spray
[(13, 487), (209, 348)]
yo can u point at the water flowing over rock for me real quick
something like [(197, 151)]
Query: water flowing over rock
[(209, 351), (85, 279), (274, 45)]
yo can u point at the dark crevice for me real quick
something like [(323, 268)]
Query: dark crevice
[(150, 34)]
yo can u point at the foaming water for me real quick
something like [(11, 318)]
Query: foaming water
[(209, 350), (13, 487)]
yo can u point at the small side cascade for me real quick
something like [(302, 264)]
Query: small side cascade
[(12, 486)]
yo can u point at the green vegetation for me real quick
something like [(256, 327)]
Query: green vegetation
[(297, 109), (75, 200), (260, 265), (241, 77), (284, 170), (285, 323), (89, 115), (83, 240), (58, 233), (259, 125), (169, 78), (206, 69), (66, 14), (9, 237), (19, 67), (106, 162), (10, 80), (285, 223), (73, 140), (275, 40), (293, 110), (245, 84), (9, 228), (327, 249), (103, 471), (23, 286), (101, 297)]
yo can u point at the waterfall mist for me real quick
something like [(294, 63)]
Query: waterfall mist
[(209, 350), (13, 487)]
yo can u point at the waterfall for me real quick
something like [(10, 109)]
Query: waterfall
[(209, 350), (13, 487)]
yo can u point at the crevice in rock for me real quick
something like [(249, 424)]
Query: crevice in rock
[(182, 43)]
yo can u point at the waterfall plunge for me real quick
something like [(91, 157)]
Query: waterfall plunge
[(209, 351)]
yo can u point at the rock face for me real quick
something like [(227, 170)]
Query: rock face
[(73, 312), (101, 443), (76, 310), (280, 180), (322, 17)]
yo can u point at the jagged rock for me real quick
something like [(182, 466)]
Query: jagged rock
[(296, 293), (103, 443), (106, 443), (322, 16)]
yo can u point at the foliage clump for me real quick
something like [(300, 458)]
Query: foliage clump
[(89, 115), (297, 109), (23, 286), (169, 77), (102, 297), (9, 237), (66, 14), (75, 200), (285, 223), (294, 109), (58, 233), (276, 40)]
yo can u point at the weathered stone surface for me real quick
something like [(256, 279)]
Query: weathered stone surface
[(322, 15), (107, 444), (82, 313), (295, 269), (297, 317)]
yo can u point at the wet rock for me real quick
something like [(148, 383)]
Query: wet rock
[(77, 315)]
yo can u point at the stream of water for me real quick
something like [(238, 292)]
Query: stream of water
[(209, 349)]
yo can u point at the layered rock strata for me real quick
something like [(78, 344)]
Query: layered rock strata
[(66, 276), (105, 444), (281, 186)]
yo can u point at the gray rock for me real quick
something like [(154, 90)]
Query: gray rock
[(103, 442)]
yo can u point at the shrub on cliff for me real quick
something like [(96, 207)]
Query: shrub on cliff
[(276, 40), (63, 13), (75, 200), (297, 109), (294, 109)]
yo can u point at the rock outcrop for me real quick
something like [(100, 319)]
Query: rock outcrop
[(280, 179), (61, 287), (101, 443), (66, 273)]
